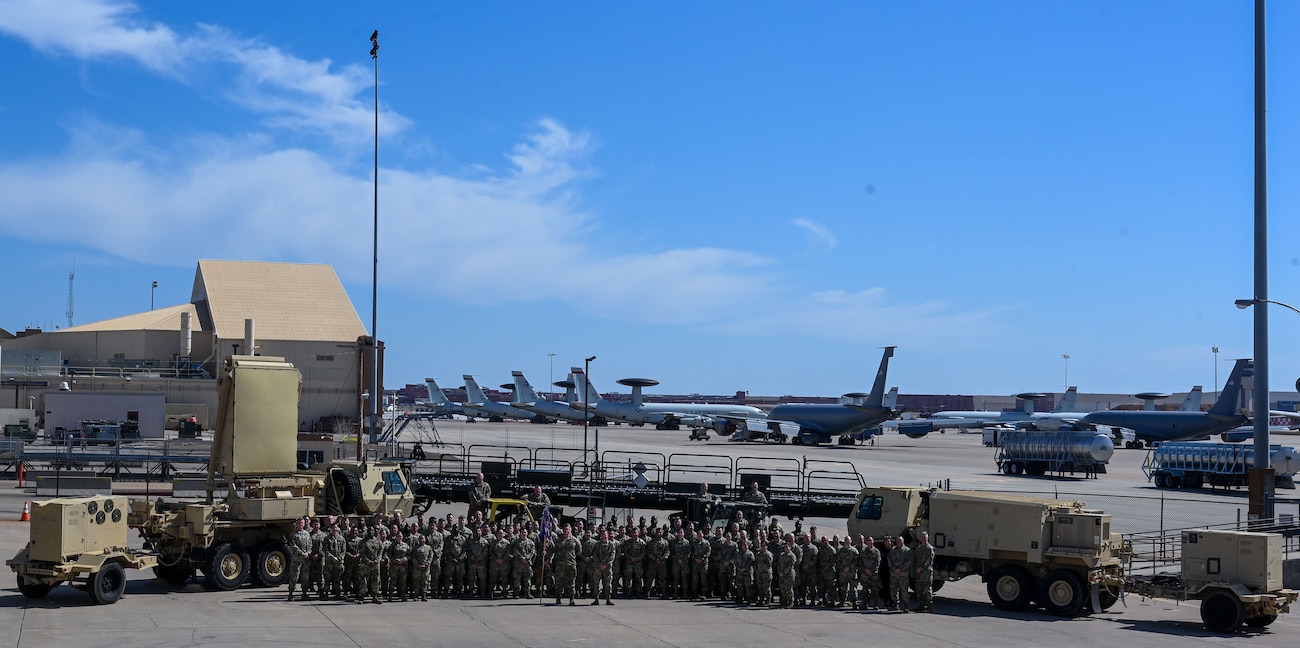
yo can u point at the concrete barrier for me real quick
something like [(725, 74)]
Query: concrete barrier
[(73, 486)]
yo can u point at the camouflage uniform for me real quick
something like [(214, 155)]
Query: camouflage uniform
[(399, 559), (715, 563), (681, 565), (634, 551), (454, 552), (826, 562), (923, 563), (900, 566), (478, 492), (846, 566), (372, 552), (351, 564), (566, 566), (744, 574), (699, 579), (603, 565), (726, 559), (763, 575), (499, 567), (476, 550), (786, 566), (299, 561), (421, 563), (869, 576), (317, 557), (523, 555), (660, 553), (586, 581), (807, 580), (334, 549), (435, 540)]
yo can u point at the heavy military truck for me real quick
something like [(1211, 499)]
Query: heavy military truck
[(241, 538), (1236, 575), (1053, 552), (234, 535), (81, 542)]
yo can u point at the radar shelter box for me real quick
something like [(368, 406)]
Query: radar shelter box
[(1252, 559), (70, 526)]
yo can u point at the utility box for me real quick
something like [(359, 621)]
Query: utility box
[(1088, 530), (1252, 559), (66, 527), (271, 508)]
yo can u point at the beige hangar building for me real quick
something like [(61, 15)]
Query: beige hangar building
[(297, 311)]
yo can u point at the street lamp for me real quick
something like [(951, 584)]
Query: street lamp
[(552, 376), (374, 280), (586, 387), (1215, 351), (152, 290), (1066, 358), (1261, 477)]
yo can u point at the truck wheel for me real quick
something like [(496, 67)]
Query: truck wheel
[(1222, 612), (33, 589), (1062, 593), (227, 567), (271, 569), (344, 494), (1010, 588), (1261, 621), (1107, 596), (107, 584), (174, 575)]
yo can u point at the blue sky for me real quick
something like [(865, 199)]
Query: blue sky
[(722, 196)]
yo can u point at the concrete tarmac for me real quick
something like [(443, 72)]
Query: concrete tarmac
[(153, 614)]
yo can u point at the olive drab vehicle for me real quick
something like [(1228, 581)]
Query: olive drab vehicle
[(1026, 549), (254, 464)]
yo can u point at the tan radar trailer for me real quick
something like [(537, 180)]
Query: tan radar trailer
[(1066, 558), (237, 533)]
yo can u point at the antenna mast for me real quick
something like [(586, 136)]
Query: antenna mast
[(71, 276)]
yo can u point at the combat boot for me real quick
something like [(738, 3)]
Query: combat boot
[(374, 598), (291, 594), (609, 602)]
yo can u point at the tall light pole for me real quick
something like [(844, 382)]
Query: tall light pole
[(551, 382), (1215, 351), (152, 290), (374, 281), (1066, 358), (586, 387)]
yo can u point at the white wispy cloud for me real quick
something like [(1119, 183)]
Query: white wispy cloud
[(817, 233)]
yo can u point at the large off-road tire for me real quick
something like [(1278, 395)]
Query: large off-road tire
[(1062, 593), (271, 564), (1222, 612), (175, 575), (344, 494), (227, 567), (108, 584), (33, 589), (1010, 588)]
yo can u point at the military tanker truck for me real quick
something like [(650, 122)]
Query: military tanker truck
[(237, 533), (1026, 549)]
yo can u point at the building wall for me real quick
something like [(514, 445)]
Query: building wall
[(67, 409)]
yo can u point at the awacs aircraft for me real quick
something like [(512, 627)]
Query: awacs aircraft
[(816, 423), (527, 399), (1157, 427), (664, 416), (477, 401)]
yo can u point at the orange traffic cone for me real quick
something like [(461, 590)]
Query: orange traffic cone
[(27, 513)]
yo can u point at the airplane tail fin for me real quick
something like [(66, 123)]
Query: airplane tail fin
[(1193, 401), (584, 387), (524, 392), (877, 397), (436, 397), (891, 399), (474, 393), (1227, 403), (1068, 400)]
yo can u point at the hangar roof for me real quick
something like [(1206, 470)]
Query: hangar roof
[(288, 301), (161, 319)]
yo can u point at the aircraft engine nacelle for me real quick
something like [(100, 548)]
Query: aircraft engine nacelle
[(725, 427), (915, 430), (1237, 436)]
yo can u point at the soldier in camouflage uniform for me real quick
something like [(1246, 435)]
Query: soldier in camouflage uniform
[(421, 561), (681, 564), (900, 567), (846, 568), (372, 552), (399, 558), (479, 494), (726, 555), (317, 562), (565, 569), (334, 549), (869, 574), (499, 565), (352, 562), (787, 565), (634, 553), (523, 555), (699, 579), (586, 569), (744, 585), (807, 580), (762, 573), (476, 552), (436, 537), (660, 553), (715, 563), (603, 565), (923, 563), (299, 558), (826, 559), (454, 552)]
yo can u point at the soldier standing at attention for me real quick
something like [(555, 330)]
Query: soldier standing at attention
[(372, 551), (726, 555), (479, 494), (566, 565), (399, 558), (923, 563), (335, 550), (352, 563), (523, 553), (634, 551), (755, 496), (826, 559), (499, 567), (681, 552), (421, 560), (299, 558), (699, 578), (786, 567), (317, 561), (744, 574), (807, 572), (660, 553), (869, 574), (437, 538), (477, 553), (603, 562), (846, 565), (900, 567), (762, 573), (454, 551)]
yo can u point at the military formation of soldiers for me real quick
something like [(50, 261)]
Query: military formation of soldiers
[(387, 558)]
